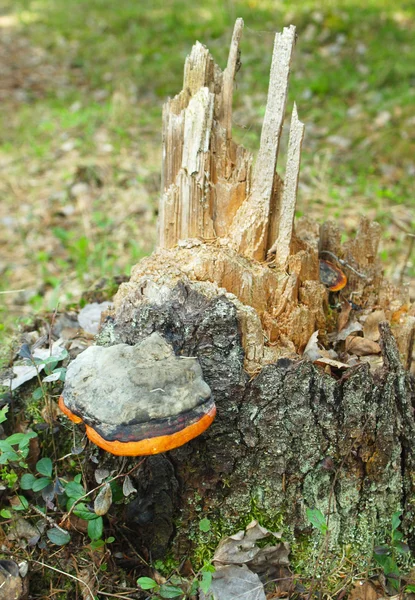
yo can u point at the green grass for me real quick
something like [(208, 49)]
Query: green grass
[(113, 65)]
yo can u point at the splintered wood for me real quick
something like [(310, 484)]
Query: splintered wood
[(229, 228), (208, 189)]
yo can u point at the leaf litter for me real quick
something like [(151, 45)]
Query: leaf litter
[(243, 568)]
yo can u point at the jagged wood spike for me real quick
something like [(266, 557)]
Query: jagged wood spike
[(187, 129), (229, 77), (282, 246), (249, 230)]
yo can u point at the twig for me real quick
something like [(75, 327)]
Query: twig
[(344, 263), (42, 564), (48, 519)]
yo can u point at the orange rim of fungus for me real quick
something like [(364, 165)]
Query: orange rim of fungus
[(341, 280), (147, 446)]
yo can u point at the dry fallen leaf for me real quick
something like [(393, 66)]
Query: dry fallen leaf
[(103, 500), (361, 346), (90, 316), (241, 547), (364, 590), (233, 581), (88, 583), (27, 372), (312, 350), (344, 315), (127, 486), (352, 327), (370, 326), (331, 363)]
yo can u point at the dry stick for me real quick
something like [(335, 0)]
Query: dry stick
[(249, 230), (289, 197), (42, 564), (48, 519)]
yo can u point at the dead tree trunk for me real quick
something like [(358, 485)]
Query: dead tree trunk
[(234, 283)]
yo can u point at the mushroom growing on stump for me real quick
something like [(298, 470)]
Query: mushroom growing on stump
[(137, 400)]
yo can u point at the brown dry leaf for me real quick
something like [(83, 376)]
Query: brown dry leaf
[(396, 316), (241, 547), (77, 524), (353, 327), (370, 326), (361, 346), (50, 412), (331, 363), (88, 585), (233, 581), (34, 452), (103, 500), (364, 590), (344, 315), (374, 361)]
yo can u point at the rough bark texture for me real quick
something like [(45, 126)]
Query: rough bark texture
[(271, 447)]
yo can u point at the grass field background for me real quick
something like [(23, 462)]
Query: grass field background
[(82, 89)]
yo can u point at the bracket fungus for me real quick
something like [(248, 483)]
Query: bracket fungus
[(137, 400), (332, 276)]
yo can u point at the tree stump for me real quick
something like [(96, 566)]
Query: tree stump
[(235, 283)]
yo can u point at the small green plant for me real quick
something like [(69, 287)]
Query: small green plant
[(15, 448), (386, 555), (317, 520), (201, 581), (29, 481), (165, 590)]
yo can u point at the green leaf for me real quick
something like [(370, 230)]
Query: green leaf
[(3, 413), (58, 537), (97, 544), (18, 438), (204, 525), (316, 518), (382, 551), (23, 504), (41, 483), (110, 539), (74, 490), (37, 394), (401, 547), (78, 478), (396, 519), (7, 454), (206, 581), (27, 481), (62, 373), (51, 360), (45, 467), (170, 591), (146, 583), (95, 528), (397, 536), (83, 512), (410, 589), (6, 514)]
